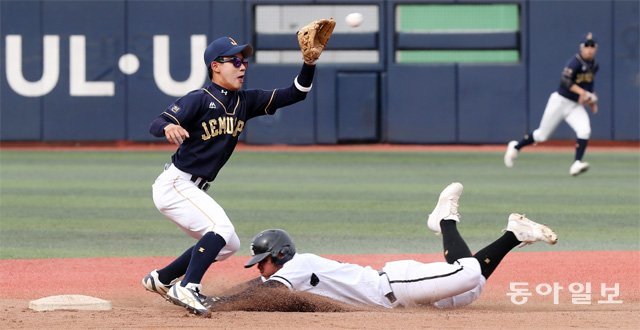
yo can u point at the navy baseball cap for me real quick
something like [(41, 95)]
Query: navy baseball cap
[(589, 41), (225, 46)]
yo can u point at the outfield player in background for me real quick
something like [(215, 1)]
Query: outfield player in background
[(454, 283), (206, 124), (567, 103)]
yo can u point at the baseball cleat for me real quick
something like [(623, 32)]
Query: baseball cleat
[(152, 283), (447, 207), (578, 167), (190, 298), (528, 231), (511, 154)]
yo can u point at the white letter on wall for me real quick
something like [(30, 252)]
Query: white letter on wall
[(161, 73), (78, 84), (50, 67)]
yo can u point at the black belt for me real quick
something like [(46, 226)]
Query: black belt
[(202, 183), (390, 296)]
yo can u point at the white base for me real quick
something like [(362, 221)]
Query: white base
[(70, 302)]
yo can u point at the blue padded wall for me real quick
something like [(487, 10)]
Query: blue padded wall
[(412, 103), (98, 118), (357, 107), (492, 103), (290, 125), (421, 104), (324, 94), (626, 92), (21, 117)]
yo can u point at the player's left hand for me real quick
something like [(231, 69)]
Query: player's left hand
[(313, 37)]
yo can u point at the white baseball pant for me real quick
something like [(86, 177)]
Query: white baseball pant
[(561, 108), (439, 283), (192, 209)]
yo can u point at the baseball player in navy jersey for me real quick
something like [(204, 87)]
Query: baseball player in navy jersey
[(567, 103), (408, 283), (205, 124)]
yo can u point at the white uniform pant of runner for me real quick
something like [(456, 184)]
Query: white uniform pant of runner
[(561, 108), (440, 283), (192, 209), (462, 299)]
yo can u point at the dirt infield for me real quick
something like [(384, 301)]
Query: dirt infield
[(118, 280)]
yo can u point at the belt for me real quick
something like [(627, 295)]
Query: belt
[(390, 296), (202, 183)]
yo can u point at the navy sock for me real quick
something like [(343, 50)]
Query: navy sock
[(454, 246), (176, 268), (581, 147), (526, 140), (203, 255), (492, 254)]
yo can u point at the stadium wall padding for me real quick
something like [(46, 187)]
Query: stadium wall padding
[(385, 102)]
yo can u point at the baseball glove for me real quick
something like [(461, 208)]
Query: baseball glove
[(313, 37)]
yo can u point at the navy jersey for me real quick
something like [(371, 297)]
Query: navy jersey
[(580, 72), (214, 118)]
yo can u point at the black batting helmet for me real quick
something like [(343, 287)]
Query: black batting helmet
[(271, 242)]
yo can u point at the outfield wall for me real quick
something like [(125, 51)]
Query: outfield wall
[(65, 76)]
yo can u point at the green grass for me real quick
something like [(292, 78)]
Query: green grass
[(94, 204)]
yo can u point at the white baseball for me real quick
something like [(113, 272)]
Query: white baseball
[(354, 19)]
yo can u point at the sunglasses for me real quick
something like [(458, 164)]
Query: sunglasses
[(237, 62)]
